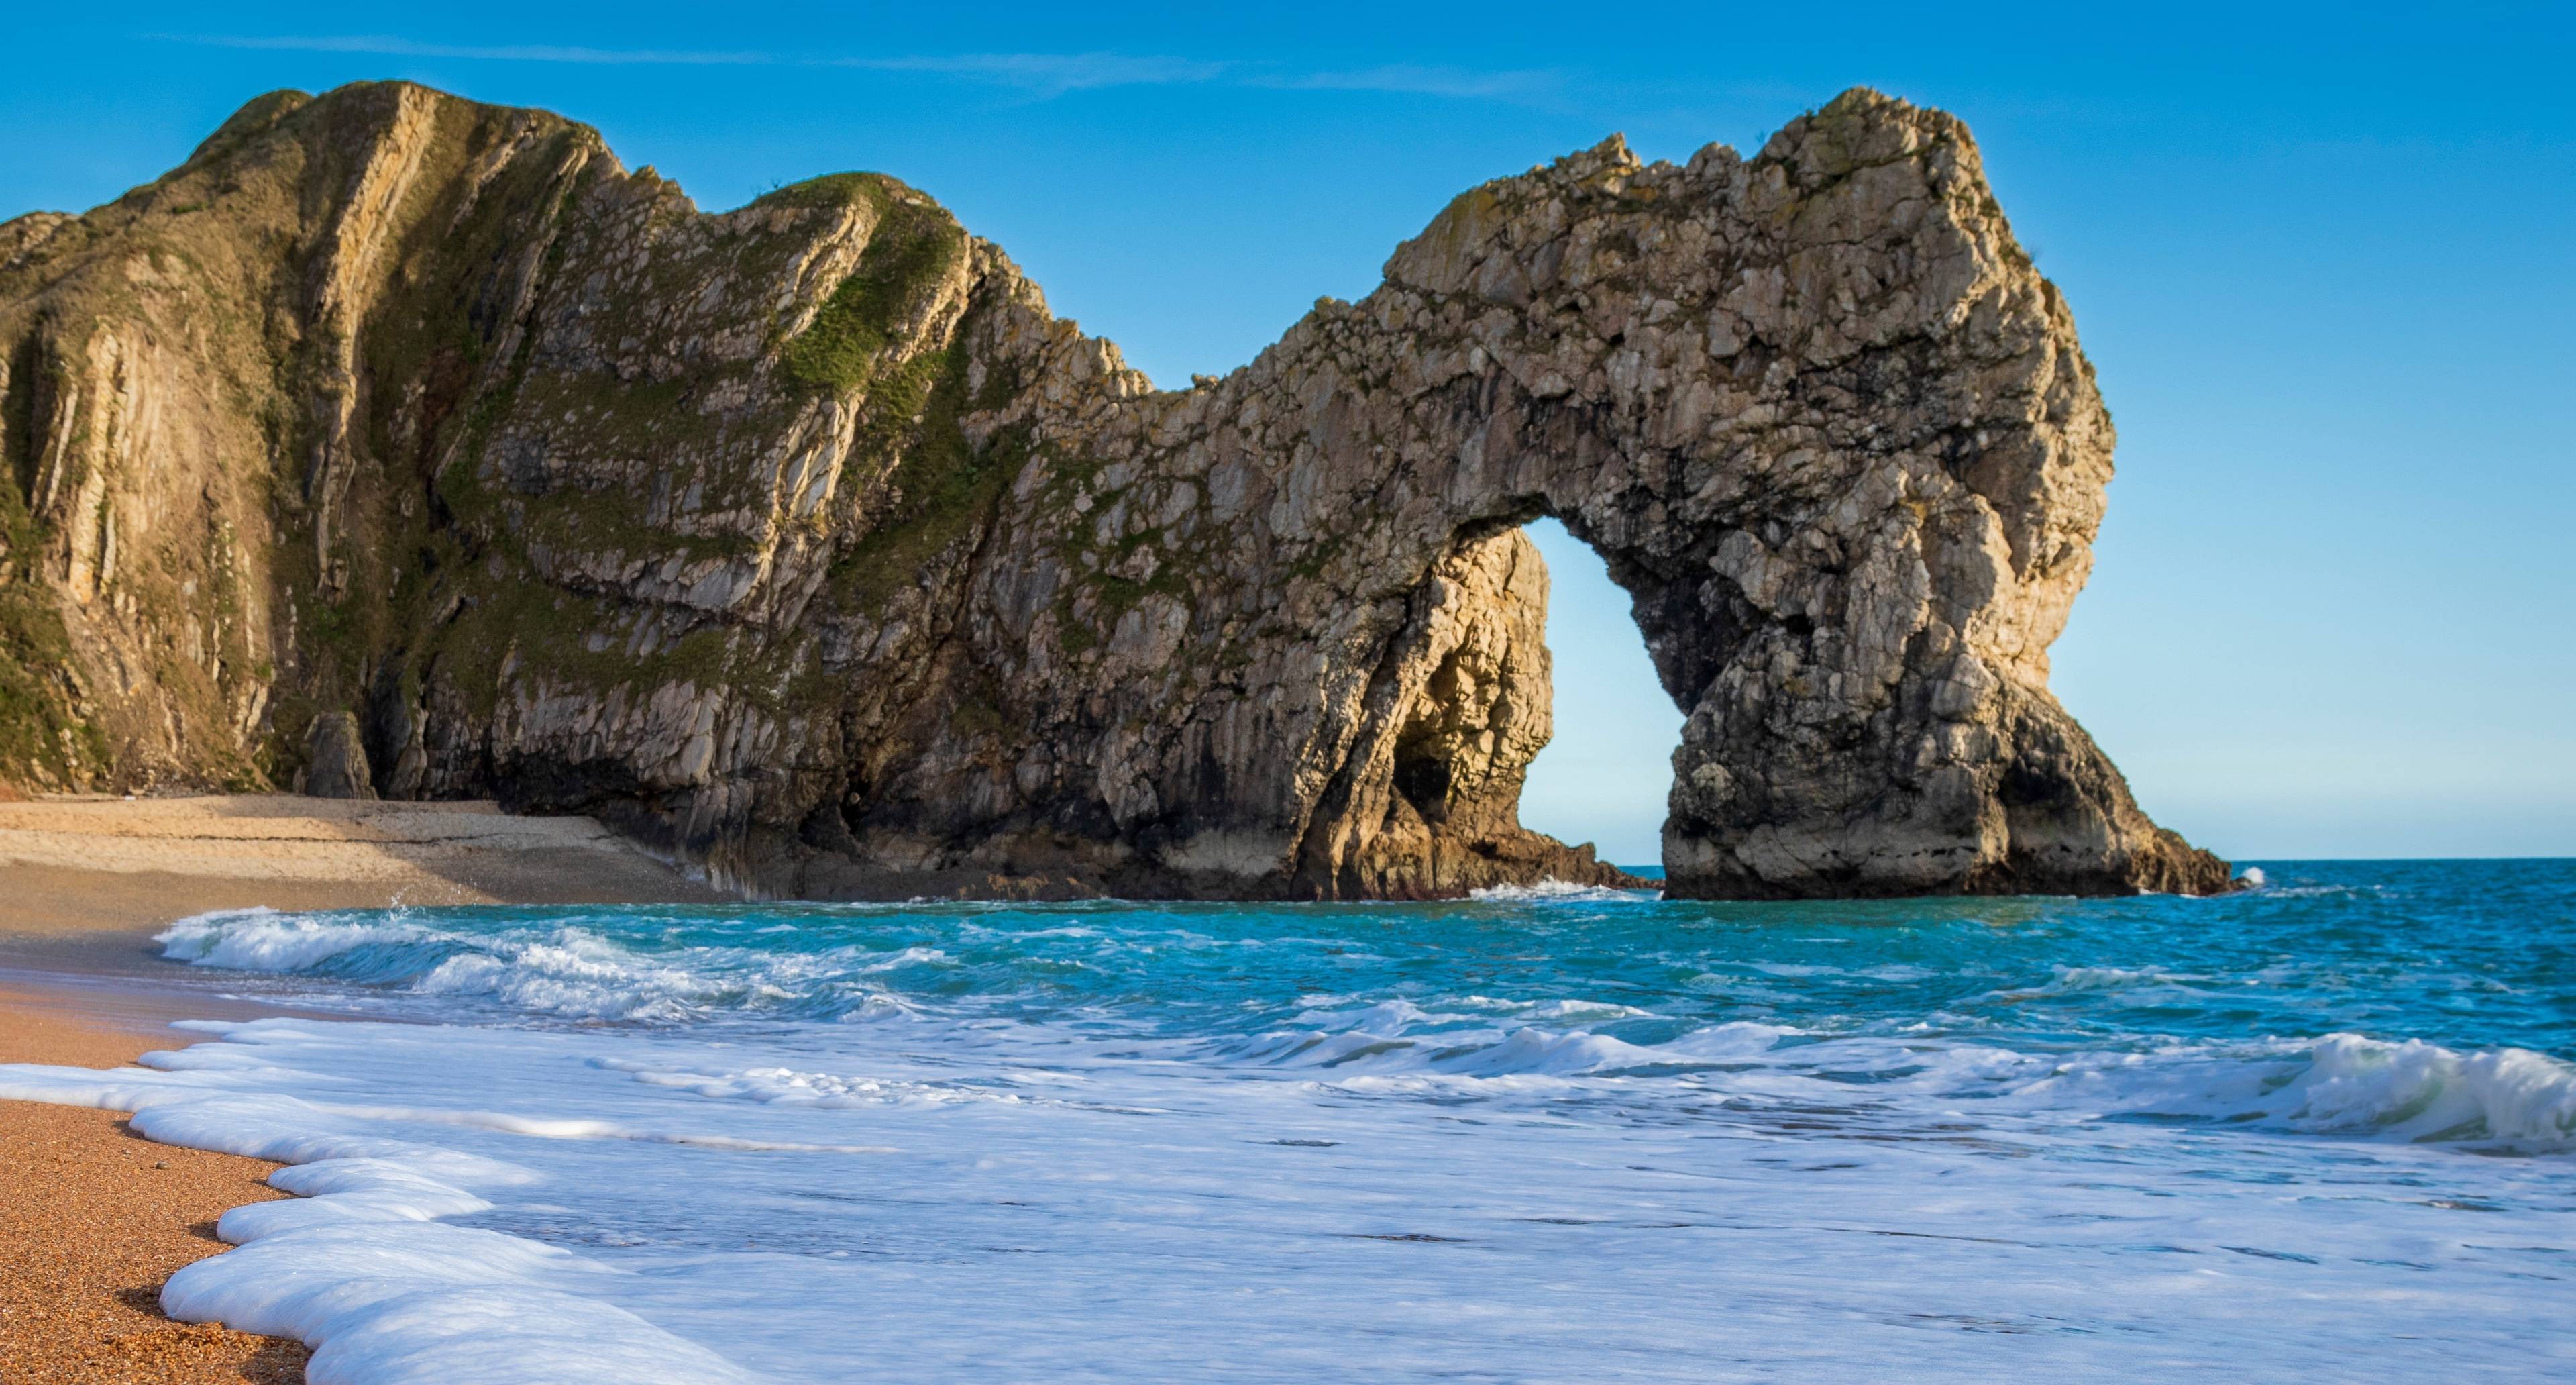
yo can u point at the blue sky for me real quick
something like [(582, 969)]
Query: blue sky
[(2321, 255)]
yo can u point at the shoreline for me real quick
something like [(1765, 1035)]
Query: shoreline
[(765, 1177), (100, 1216)]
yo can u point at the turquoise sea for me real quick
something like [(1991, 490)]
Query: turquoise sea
[(2322, 1128)]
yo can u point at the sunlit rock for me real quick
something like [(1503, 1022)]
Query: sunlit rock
[(804, 541)]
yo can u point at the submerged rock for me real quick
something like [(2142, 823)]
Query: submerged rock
[(803, 540)]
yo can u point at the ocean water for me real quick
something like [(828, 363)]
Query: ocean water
[(2325, 1129)]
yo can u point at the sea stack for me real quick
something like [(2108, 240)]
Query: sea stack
[(802, 541)]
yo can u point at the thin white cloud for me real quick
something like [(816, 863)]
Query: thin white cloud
[(391, 46), (1052, 72), (1419, 81), (1045, 74)]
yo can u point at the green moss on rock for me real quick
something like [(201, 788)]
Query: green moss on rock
[(943, 488), (912, 249)]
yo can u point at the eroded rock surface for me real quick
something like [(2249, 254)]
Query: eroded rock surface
[(804, 541)]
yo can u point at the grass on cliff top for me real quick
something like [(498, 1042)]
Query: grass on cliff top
[(913, 248), (832, 190)]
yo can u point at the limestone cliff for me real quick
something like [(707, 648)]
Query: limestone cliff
[(803, 541)]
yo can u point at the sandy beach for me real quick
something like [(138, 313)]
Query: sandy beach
[(97, 1216)]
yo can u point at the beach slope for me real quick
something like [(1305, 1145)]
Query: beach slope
[(98, 1217)]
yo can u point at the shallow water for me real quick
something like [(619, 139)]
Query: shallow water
[(2321, 1129)]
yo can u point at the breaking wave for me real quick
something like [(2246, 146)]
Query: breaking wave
[(1557, 892), (2502, 1100)]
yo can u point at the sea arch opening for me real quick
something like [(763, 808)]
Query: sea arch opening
[(1606, 774)]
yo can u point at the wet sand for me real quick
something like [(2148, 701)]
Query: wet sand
[(98, 1217), (92, 1217)]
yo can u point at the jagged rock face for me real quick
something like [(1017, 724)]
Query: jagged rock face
[(335, 759), (804, 540)]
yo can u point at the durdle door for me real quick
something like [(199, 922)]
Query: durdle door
[(803, 541)]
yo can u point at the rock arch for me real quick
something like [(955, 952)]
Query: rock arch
[(803, 541), (1826, 423)]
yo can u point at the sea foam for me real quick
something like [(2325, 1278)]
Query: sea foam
[(1557, 892), (653, 1208), (360, 1265)]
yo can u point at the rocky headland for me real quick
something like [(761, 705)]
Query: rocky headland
[(399, 445)]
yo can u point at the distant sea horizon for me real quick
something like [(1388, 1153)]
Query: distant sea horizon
[(1656, 871)]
